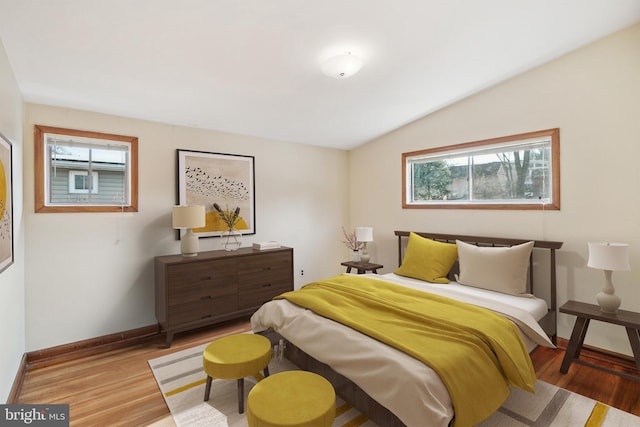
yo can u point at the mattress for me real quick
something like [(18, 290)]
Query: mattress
[(537, 307)]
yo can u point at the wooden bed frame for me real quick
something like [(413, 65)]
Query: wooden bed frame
[(357, 397)]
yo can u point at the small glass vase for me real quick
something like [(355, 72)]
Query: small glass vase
[(355, 256), (231, 240)]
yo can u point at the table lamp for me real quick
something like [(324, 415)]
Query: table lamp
[(364, 235), (609, 257), (188, 217)]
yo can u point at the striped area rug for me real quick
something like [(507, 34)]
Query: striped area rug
[(556, 407), (181, 380)]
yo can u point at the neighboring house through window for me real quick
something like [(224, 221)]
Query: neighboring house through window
[(80, 182)]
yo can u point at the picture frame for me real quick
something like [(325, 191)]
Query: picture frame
[(6, 203), (228, 180)]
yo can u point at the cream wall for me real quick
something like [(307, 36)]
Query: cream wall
[(91, 274), (12, 310), (593, 96)]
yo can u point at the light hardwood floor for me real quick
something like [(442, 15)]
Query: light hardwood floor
[(117, 388)]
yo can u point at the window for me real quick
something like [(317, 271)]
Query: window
[(512, 172), (79, 182), (79, 171)]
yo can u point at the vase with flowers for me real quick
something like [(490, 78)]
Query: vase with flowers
[(351, 241), (231, 238)]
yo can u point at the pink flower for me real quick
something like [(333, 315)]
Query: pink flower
[(352, 241)]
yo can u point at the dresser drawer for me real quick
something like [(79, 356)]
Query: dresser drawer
[(202, 309), (193, 274), (261, 270), (206, 289), (258, 296)]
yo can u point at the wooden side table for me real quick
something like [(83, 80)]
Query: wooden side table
[(361, 267), (587, 312)]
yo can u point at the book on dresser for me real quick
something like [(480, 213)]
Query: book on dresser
[(216, 286), (271, 244)]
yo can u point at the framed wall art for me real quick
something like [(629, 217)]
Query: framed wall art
[(6, 203), (222, 181)]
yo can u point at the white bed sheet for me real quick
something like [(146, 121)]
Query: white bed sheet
[(404, 385), (537, 307)]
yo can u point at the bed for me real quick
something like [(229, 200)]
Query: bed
[(391, 387)]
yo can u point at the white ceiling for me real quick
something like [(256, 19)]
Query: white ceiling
[(253, 66)]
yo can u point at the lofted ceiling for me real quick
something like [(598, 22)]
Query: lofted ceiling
[(253, 67)]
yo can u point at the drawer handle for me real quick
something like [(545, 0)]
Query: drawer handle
[(205, 278), (266, 285), (266, 268), (206, 297)]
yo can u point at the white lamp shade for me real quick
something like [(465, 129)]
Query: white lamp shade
[(188, 217), (364, 234), (609, 256), (342, 66)]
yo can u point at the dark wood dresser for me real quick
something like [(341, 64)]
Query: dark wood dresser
[(215, 286)]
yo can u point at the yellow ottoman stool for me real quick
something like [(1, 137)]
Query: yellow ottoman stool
[(292, 399), (234, 357)]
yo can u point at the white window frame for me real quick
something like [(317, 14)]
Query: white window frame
[(94, 182)]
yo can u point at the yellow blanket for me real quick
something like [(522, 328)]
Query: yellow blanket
[(476, 352)]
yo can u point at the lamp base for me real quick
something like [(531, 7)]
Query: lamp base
[(607, 299), (189, 244), (364, 255), (608, 303)]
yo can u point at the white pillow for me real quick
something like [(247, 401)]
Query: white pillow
[(501, 269)]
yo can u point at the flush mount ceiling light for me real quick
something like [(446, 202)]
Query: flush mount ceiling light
[(342, 66)]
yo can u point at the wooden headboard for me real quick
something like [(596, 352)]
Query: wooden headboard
[(548, 323)]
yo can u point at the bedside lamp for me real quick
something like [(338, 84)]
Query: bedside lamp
[(364, 235), (188, 217), (608, 257)]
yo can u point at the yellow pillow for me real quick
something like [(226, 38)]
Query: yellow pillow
[(427, 260)]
